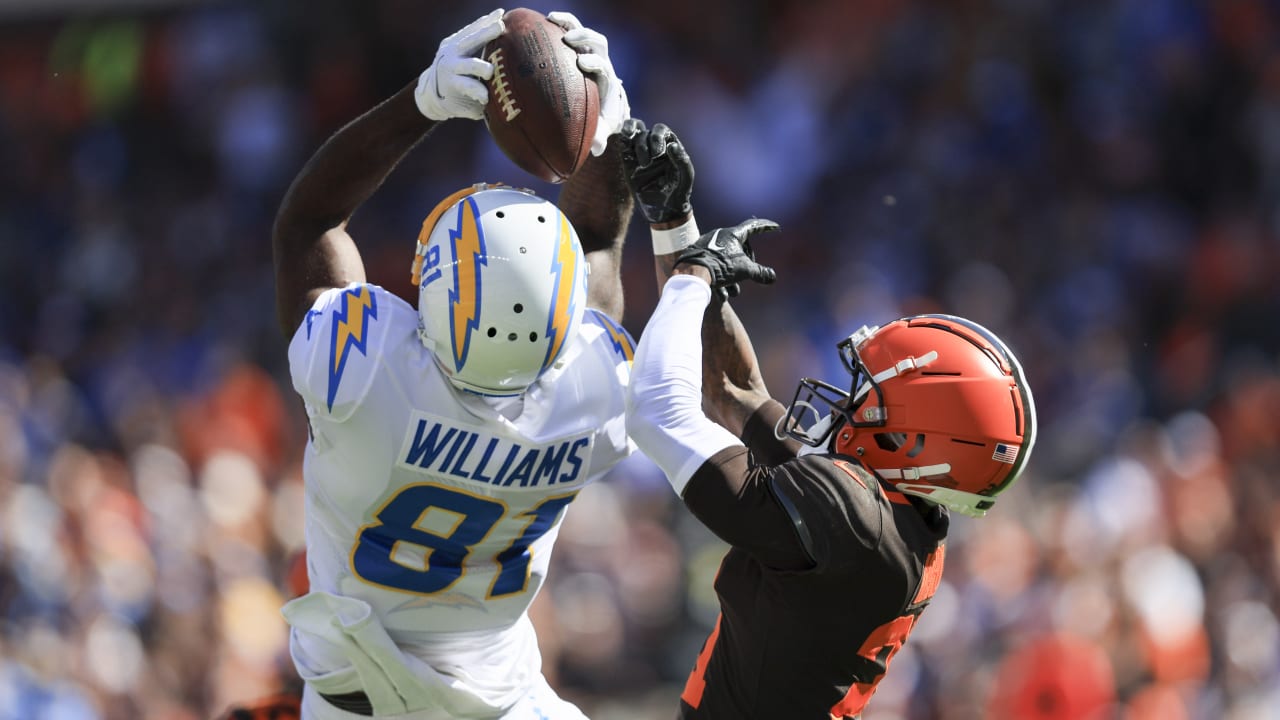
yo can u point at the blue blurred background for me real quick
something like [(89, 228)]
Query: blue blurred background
[(1095, 181)]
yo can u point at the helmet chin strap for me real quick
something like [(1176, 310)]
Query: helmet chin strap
[(902, 367), (914, 473)]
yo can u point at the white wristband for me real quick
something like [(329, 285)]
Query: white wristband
[(676, 239)]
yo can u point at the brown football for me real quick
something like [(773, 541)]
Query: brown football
[(542, 109)]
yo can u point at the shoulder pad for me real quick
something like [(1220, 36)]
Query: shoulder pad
[(834, 504), (797, 520), (334, 354)]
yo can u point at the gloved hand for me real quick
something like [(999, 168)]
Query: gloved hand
[(658, 171), (454, 85), (726, 253), (593, 59)]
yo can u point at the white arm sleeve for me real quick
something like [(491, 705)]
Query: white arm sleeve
[(664, 401)]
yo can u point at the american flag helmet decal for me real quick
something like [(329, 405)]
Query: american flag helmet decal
[(1005, 453)]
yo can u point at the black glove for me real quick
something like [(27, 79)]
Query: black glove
[(726, 253), (658, 169)]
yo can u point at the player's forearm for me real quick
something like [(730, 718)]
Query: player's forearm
[(734, 388), (664, 399), (349, 167), (732, 384), (599, 205), (597, 201)]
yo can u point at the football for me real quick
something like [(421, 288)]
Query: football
[(542, 109)]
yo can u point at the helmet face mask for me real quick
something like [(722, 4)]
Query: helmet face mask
[(502, 288), (937, 405), (816, 411), (819, 409)]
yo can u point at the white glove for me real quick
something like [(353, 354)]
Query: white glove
[(454, 85), (593, 59)]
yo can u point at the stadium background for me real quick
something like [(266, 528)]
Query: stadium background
[(1096, 181)]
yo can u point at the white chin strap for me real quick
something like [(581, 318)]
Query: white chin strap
[(915, 473), (902, 367)]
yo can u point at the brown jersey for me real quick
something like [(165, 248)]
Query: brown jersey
[(829, 570)]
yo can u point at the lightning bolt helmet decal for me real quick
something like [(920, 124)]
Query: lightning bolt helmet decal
[(565, 271), (467, 238)]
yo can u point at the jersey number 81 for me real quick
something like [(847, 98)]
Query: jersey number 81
[(374, 556)]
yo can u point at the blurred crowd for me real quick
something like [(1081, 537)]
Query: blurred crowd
[(1097, 181)]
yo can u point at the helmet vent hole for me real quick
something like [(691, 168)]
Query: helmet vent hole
[(518, 308), (890, 441), (533, 337), (918, 447), (500, 214), (951, 374), (541, 219), (492, 331), (968, 442), (512, 337)]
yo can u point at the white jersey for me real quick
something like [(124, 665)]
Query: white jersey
[(425, 501)]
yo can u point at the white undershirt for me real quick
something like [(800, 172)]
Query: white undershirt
[(664, 401)]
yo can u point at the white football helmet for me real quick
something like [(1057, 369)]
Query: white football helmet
[(502, 284)]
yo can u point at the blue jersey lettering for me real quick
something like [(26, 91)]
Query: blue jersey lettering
[(441, 449), (478, 472), (549, 469), (574, 460), (423, 452), (523, 469)]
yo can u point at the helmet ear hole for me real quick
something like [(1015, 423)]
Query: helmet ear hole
[(918, 447), (893, 442), (890, 442)]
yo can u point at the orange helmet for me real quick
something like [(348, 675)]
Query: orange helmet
[(938, 407)]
